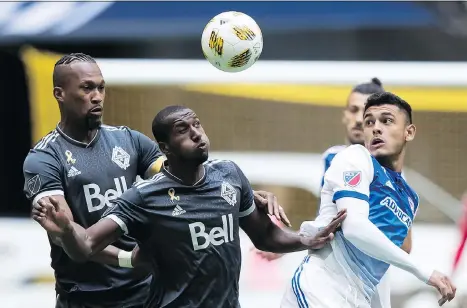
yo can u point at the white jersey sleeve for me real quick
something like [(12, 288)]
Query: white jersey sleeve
[(350, 174), (347, 183)]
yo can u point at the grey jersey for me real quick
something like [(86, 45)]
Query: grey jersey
[(191, 233), (90, 176)]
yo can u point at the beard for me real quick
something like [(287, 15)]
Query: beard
[(93, 122)]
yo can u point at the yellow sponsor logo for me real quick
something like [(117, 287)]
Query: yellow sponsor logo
[(244, 33), (216, 43), (240, 59)]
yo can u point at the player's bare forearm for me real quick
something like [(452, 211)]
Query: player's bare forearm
[(84, 244), (267, 236), (109, 255)]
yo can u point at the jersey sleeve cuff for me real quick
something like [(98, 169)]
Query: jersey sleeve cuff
[(248, 211), (47, 193), (349, 194), (119, 222)]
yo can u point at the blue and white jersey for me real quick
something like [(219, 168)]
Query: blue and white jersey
[(329, 155), (393, 204)]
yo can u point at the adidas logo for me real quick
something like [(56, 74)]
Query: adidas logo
[(178, 211), (73, 172)]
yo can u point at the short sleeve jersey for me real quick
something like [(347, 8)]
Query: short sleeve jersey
[(191, 233), (90, 176)]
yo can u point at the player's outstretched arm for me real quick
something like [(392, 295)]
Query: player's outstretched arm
[(359, 230), (267, 236), (79, 243), (109, 255)]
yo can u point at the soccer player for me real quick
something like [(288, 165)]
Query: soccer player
[(186, 219), (380, 210), (84, 166)]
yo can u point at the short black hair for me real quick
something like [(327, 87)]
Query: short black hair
[(160, 128), (66, 60), (374, 86), (387, 98)]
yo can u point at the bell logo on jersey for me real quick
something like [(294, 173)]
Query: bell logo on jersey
[(93, 192), (217, 236), (392, 205)]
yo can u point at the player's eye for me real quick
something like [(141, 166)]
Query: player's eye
[(197, 124), (369, 122), (388, 121)]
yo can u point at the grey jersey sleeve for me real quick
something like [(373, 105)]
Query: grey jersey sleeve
[(41, 176), (150, 158), (247, 205), (131, 214)]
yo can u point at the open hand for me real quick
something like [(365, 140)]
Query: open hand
[(268, 202), (48, 214), (325, 235)]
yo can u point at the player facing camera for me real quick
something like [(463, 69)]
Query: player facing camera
[(181, 137), (191, 211), (79, 88), (387, 126)]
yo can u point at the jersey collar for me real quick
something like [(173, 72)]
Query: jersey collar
[(179, 181), (79, 143)]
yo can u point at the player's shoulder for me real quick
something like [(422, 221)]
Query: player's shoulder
[(46, 147), (223, 165), (353, 151), (332, 151), (356, 155), (155, 182), (115, 130)]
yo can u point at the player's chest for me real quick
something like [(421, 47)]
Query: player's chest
[(209, 205), (391, 200), (97, 164)]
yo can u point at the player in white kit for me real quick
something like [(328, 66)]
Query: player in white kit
[(380, 210)]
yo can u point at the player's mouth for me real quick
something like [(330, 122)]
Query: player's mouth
[(202, 145), (376, 143), (96, 110)]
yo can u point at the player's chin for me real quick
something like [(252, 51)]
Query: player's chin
[(94, 122), (201, 157)]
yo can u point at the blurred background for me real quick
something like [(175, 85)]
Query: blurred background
[(275, 119)]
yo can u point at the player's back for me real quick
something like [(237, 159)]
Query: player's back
[(393, 205), (89, 176), (194, 235)]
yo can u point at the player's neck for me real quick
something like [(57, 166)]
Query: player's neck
[(78, 132), (188, 174), (394, 163)]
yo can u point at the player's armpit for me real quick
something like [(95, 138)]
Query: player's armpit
[(407, 244)]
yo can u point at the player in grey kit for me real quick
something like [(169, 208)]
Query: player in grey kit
[(186, 219), (84, 166)]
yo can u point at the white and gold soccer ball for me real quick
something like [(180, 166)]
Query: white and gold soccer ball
[(232, 41)]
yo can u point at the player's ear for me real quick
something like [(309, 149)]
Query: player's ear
[(164, 147), (59, 94), (410, 132)]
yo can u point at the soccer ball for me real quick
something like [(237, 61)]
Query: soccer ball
[(232, 41)]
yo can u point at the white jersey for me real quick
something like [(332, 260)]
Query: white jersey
[(350, 275)]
